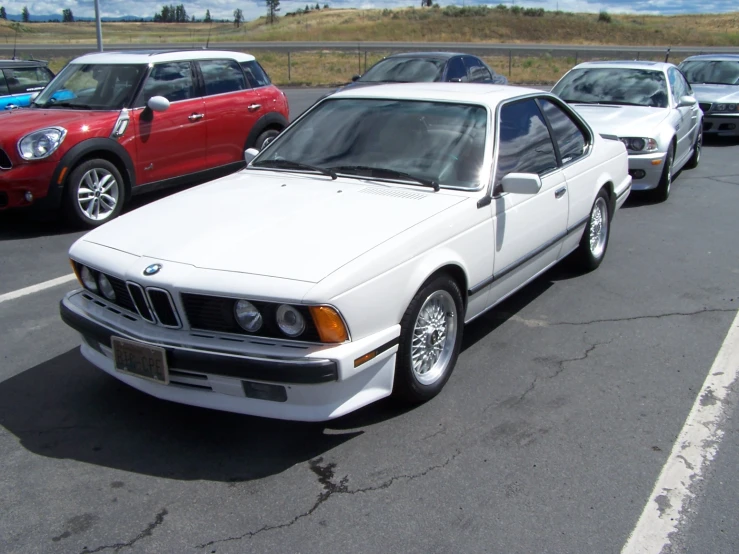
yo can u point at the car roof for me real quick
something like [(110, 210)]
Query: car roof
[(10, 64), (486, 94), (627, 64), (713, 58), (156, 56), (444, 55)]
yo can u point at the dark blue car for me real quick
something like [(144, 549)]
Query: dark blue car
[(20, 80), (412, 67)]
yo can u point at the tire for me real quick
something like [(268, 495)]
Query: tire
[(697, 148), (94, 194), (594, 243), (441, 301), (265, 138), (662, 192)]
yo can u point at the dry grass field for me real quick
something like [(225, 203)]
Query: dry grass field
[(409, 24)]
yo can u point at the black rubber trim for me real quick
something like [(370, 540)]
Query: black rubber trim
[(275, 371), (518, 263), (191, 178), (387, 346), (271, 118), (620, 194)]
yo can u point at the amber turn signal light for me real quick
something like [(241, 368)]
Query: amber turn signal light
[(76, 271), (329, 324)]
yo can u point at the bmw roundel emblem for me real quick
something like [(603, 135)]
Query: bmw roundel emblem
[(153, 269)]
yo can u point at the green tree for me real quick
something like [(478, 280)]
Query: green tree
[(238, 17), (25, 14), (273, 6), (207, 17), (3, 15), (67, 16)]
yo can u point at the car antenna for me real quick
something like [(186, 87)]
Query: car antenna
[(15, 40), (667, 54)]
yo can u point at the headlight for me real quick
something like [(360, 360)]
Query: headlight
[(725, 107), (247, 316), (40, 144), (106, 288), (290, 321), (639, 144), (88, 279)]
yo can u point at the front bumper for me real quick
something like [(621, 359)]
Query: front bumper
[(24, 178), (319, 385), (722, 125), (646, 170)]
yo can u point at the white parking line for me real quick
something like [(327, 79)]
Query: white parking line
[(37, 288), (695, 448)]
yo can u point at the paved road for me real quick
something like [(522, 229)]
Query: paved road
[(549, 437)]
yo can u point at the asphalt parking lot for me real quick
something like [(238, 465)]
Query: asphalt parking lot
[(561, 414)]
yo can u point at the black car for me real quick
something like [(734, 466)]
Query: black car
[(20, 80), (429, 67)]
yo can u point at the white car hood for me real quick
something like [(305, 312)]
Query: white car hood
[(717, 93), (265, 223), (622, 121)]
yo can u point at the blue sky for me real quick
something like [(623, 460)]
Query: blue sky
[(253, 9)]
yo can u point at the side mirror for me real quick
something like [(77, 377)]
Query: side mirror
[(521, 183), (250, 154), (355, 78), (158, 104), (686, 101)]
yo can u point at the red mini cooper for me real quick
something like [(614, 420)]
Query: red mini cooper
[(114, 124)]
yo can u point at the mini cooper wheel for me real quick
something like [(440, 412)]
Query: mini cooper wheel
[(95, 193), (662, 192), (594, 242), (430, 338), (697, 147), (265, 138)]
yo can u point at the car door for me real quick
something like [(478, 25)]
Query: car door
[(476, 71), (685, 118), (529, 228), (170, 143), (232, 108)]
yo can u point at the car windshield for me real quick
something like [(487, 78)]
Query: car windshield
[(404, 70), (622, 86), (428, 143), (711, 72), (92, 87)]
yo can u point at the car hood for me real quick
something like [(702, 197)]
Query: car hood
[(716, 93), (270, 224), (622, 121), (15, 123)]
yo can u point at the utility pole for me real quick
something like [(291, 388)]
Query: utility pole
[(98, 27)]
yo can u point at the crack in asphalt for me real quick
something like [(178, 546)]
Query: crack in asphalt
[(720, 179), (325, 474), (638, 317), (158, 520)]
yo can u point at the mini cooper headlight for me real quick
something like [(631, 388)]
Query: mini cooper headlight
[(42, 143), (88, 279), (290, 321), (106, 288), (639, 144), (247, 316)]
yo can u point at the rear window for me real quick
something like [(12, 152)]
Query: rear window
[(221, 76), (255, 74)]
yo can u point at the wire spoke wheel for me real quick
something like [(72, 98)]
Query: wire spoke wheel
[(434, 337), (598, 227)]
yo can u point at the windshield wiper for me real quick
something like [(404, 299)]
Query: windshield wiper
[(388, 173), (289, 164)]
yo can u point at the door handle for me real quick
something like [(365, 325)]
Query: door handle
[(559, 193), (196, 116), (253, 107)]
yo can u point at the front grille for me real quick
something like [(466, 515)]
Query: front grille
[(161, 303), (215, 313), (139, 299), (5, 162), (122, 297), (705, 106)]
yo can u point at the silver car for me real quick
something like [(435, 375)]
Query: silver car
[(715, 81), (649, 106)]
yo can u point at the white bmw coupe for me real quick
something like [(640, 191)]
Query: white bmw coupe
[(341, 265)]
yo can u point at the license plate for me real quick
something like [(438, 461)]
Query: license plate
[(141, 360)]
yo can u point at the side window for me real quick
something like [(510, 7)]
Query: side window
[(672, 76), (222, 76), (255, 74), (571, 141), (456, 70), (525, 145), (3, 84), (684, 85), (21, 80), (173, 80), (477, 71)]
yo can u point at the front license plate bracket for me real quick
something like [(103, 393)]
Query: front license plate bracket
[(140, 360)]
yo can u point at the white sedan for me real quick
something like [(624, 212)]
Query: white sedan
[(340, 266), (649, 106)]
